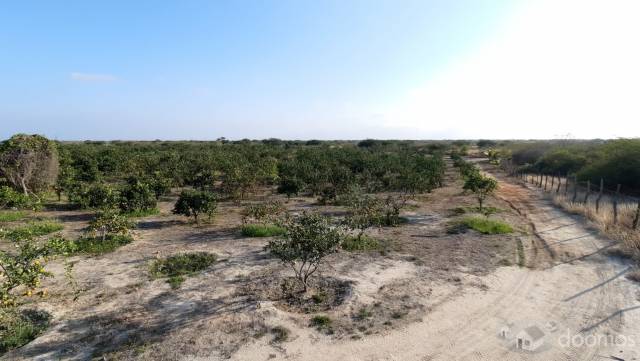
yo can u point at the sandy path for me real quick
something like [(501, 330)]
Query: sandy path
[(571, 283)]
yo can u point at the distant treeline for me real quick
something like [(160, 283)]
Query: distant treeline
[(615, 161), (234, 169)]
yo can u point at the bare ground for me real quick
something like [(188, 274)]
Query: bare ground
[(429, 295)]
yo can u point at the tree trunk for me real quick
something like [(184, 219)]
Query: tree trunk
[(24, 187)]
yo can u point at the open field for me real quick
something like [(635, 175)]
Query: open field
[(426, 293)]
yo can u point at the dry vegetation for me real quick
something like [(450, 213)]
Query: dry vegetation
[(124, 311)]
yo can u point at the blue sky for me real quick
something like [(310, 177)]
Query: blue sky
[(297, 69)]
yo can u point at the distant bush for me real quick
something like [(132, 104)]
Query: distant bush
[(195, 203), (262, 230), (263, 212), (137, 196), (95, 196), (486, 143), (618, 162), (560, 161)]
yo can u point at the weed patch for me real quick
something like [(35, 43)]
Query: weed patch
[(96, 246), (486, 226), (33, 229), (322, 323), (17, 328), (142, 213), (12, 216), (176, 267), (364, 243), (280, 334), (262, 230)]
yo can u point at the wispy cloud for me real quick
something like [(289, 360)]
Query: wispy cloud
[(93, 77)]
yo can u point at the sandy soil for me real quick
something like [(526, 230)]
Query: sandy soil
[(575, 294), (429, 296)]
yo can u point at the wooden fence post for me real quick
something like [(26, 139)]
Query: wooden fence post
[(546, 179), (637, 217), (575, 188), (586, 195), (615, 205), (599, 195), (540, 183), (553, 178)]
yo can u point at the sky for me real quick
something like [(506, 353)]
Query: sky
[(297, 69)]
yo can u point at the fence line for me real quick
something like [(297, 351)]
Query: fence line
[(623, 209)]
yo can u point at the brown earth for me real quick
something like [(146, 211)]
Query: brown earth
[(428, 295)]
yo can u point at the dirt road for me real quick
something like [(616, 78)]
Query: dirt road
[(571, 290)]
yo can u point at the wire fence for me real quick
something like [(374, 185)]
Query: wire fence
[(611, 205)]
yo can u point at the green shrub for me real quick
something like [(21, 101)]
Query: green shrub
[(109, 223), (9, 198), (262, 230), (97, 246), (33, 229), (363, 243), (280, 334), (487, 226), (264, 212), (321, 322), (194, 203), (309, 238), (12, 216), (17, 328), (180, 265), (137, 196)]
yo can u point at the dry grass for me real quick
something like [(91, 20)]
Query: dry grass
[(603, 220)]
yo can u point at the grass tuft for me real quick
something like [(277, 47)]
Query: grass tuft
[(262, 230), (486, 226), (364, 243), (32, 229), (178, 266), (321, 322), (12, 216), (17, 328), (280, 334), (96, 246), (142, 213)]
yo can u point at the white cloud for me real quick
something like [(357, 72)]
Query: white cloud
[(557, 67), (93, 77)]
